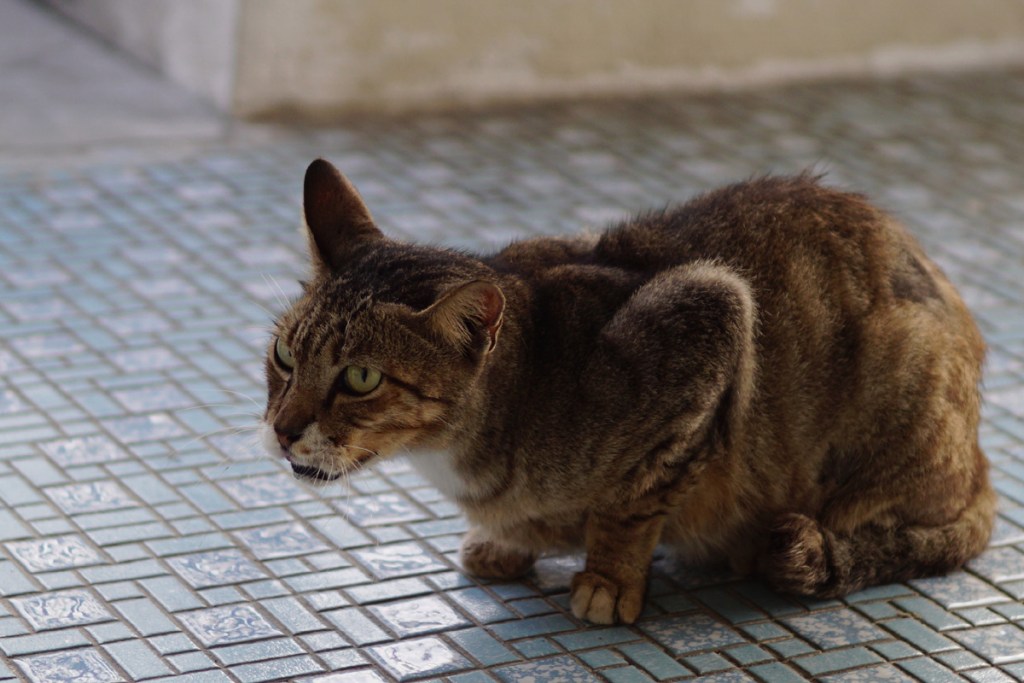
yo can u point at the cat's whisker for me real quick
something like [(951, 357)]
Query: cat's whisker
[(221, 405), (282, 298), (270, 314), (233, 430), (247, 397)]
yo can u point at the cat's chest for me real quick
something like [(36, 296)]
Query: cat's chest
[(437, 468)]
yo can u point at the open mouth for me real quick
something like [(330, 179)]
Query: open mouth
[(313, 473)]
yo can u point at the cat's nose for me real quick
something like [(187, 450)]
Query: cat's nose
[(286, 439)]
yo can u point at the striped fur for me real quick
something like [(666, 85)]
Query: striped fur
[(772, 375)]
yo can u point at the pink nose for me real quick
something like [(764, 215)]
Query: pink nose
[(286, 440)]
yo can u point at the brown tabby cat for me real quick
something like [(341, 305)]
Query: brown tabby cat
[(773, 374)]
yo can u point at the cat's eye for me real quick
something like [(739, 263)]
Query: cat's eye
[(360, 380), (283, 355)]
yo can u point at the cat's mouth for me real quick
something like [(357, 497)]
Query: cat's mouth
[(314, 473)]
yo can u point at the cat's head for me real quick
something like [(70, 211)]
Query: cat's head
[(382, 347)]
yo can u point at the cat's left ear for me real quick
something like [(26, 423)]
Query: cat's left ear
[(338, 220), (469, 315)]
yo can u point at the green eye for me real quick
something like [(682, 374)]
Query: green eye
[(283, 355), (360, 380)]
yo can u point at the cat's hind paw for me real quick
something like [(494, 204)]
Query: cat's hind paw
[(602, 601), (797, 557), (489, 559)]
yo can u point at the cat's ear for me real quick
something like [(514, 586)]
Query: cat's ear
[(469, 315), (337, 218)]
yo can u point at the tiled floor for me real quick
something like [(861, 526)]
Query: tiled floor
[(143, 535)]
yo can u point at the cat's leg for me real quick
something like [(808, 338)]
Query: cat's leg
[(672, 370), (490, 558), (619, 548), (806, 557)]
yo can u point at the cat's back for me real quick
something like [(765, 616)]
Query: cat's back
[(788, 234)]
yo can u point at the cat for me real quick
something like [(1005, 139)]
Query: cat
[(772, 375)]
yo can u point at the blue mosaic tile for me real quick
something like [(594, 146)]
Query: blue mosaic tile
[(997, 644), (659, 665), (409, 659), (291, 614), (883, 673), (999, 565), (597, 637), (383, 508), (626, 674), (837, 660), (215, 568), (276, 489), (283, 540), (357, 627), (53, 641), (532, 648), (78, 665), (11, 528), (959, 590), (981, 616), (84, 451), (776, 672), (483, 647), (255, 652), (145, 617), (61, 609), (419, 616), (561, 668), (533, 626), (54, 553), (398, 559), (931, 613), (282, 669), (835, 628), (690, 633), (94, 496), (225, 625), (380, 591), (137, 659), (925, 669)]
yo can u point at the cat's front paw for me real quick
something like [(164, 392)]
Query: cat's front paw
[(797, 559), (490, 559), (600, 600)]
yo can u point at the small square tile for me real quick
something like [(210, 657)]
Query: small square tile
[(998, 644), (835, 628), (225, 625), (96, 496), (283, 540), (264, 491), (382, 508), (49, 554), (419, 616), (409, 659), (76, 665), (959, 590), (561, 668), (398, 559), (62, 609), (690, 633), (215, 568)]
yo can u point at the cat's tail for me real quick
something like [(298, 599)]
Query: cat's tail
[(806, 558)]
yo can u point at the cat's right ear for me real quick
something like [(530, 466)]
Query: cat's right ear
[(469, 316), (338, 220)]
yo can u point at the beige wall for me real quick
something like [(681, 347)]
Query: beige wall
[(320, 57), (193, 42)]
